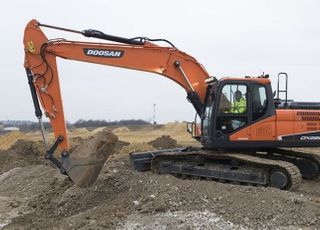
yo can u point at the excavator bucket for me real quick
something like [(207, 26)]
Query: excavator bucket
[(84, 164)]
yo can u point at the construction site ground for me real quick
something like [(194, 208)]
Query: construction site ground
[(34, 195)]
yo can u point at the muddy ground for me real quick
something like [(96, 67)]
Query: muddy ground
[(34, 195)]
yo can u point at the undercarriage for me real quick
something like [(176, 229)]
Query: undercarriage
[(279, 168)]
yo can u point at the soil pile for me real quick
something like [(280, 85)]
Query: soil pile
[(121, 129), (7, 140), (178, 131), (80, 132), (28, 148), (132, 148), (22, 153), (35, 196), (119, 146), (175, 127), (125, 199), (164, 142), (20, 187), (96, 130)]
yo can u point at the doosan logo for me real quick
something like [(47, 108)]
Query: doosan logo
[(103, 53), (303, 138)]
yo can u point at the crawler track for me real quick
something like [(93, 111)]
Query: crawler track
[(281, 168), (310, 156), (307, 162), (228, 167)]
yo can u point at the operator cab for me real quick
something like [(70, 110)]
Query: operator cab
[(234, 104)]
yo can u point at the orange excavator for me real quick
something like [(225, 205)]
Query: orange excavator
[(246, 130)]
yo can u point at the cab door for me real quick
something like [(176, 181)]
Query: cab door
[(263, 126)]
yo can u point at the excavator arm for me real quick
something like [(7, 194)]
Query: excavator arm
[(137, 54)]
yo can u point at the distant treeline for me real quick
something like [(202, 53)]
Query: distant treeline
[(32, 126), (102, 123)]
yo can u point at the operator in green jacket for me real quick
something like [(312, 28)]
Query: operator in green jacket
[(240, 103)]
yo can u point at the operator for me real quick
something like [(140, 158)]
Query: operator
[(240, 104)]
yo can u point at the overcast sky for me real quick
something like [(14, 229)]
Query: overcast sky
[(230, 38)]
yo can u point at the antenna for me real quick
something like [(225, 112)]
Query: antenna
[(154, 114)]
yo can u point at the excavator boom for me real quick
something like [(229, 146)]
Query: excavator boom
[(136, 53)]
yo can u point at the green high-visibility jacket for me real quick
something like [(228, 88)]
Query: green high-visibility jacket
[(239, 106)]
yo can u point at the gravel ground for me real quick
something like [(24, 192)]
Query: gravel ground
[(37, 196)]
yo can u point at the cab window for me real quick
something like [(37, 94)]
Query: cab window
[(232, 108), (233, 99)]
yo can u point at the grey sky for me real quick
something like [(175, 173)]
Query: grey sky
[(230, 38)]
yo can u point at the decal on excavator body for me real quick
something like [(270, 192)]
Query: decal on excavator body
[(103, 53)]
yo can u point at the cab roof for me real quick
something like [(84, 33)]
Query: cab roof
[(261, 80)]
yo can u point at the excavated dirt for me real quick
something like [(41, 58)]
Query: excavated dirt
[(134, 147), (164, 142), (8, 139), (37, 196), (121, 129), (20, 154), (88, 158)]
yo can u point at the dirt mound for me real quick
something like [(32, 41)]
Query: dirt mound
[(22, 153), (21, 186), (80, 131), (134, 147), (164, 142), (121, 129), (27, 148), (7, 140), (177, 127), (97, 130), (120, 145)]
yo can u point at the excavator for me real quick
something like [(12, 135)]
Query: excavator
[(247, 132)]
